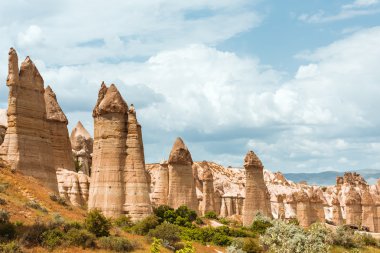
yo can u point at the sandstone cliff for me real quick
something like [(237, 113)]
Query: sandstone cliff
[(82, 148)]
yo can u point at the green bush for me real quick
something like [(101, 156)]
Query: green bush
[(260, 224), (142, 227), (211, 215), (97, 223), (367, 239), (221, 239), (56, 198), (282, 237), (123, 222), (185, 212), (33, 234), (251, 246), (294, 221), (199, 221), (345, 237), (114, 243), (11, 247), (187, 249), (160, 212), (52, 239), (218, 236), (166, 232), (7, 231), (4, 216), (80, 237), (35, 205), (71, 225), (155, 246)]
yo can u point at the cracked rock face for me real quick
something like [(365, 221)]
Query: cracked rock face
[(82, 148)]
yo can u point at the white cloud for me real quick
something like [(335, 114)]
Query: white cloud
[(355, 9), (31, 37)]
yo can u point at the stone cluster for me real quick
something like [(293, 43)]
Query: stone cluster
[(118, 185)]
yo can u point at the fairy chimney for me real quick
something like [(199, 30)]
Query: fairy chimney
[(181, 179), (256, 192), (27, 145), (207, 203), (160, 194), (110, 132), (368, 211), (337, 218), (353, 207), (60, 141), (82, 148), (137, 201), (303, 208)]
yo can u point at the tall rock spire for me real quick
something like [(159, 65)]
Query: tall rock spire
[(27, 145), (60, 141), (256, 192), (181, 180), (137, 202), (82, 147), (107, 180)]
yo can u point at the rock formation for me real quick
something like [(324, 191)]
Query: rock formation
[(161, 187), (59, 135), (110, 132), (73, 187), (181, 181), (137, 202), (3, 124), (353, 207), (208, 203), (337, 218), (368, 218), (82, 146), (27, 143), (118, 181), (303, 209), (256, 192)]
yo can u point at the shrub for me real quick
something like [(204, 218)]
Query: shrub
[(2, 201), (11, 247), (7, 231), (185, 212), (367, 239), (167, 232), (71, 225), (344, 236), (142, 227), (234, 249), (251, 246), (294, 221), (97, 223), (123, 222), (187, 249), (199, 221), (221, 239), (3, 187), (211, 215), (224, 221), (114, 243), (33, 234), (35, 205), (4, 216), (56, 198), (80, 237), (260, 224), (155, 246), (160, 212), (282, 237), (51, 239)]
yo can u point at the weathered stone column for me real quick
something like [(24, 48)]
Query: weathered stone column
[(303, 208), (27, 145), (161, 189), (368, 211), (336, 211), (82, 147), (59, 134), (181, 179), (353, 207), (256, 192), (110, 132), (208, 202), (137, 202)]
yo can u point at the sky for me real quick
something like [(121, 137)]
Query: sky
[(297, 82)]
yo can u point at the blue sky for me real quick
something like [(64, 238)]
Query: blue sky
[(295, 81)]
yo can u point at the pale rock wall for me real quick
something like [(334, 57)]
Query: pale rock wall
[(161, 187), (82, 147)]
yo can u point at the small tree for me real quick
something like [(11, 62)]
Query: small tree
[(97, 223), (155, 247)]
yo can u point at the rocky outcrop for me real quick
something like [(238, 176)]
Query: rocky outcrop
[(73, 187), (256, 192), (118, 181), (82, 147), (368, 218), (27, 144), (337, 217), (161, 187), (137, 202), (59, 135), (110, 132), (3, 124), (181, 180), (353, 207)]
